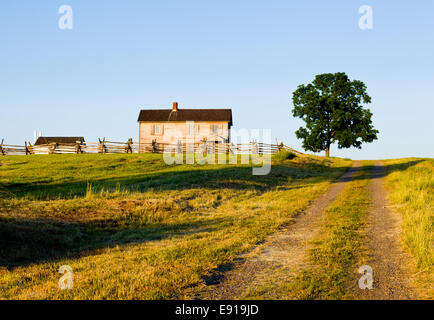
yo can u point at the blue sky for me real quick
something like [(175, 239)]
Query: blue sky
[(250, 56)]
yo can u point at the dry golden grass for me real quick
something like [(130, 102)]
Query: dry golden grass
[(133, 228)]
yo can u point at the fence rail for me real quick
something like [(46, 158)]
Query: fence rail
[(103, 146)]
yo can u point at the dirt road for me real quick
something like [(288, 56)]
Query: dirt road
[(285, 250), (385, 254)]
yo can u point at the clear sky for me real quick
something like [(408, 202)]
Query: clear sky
[(121, 56)]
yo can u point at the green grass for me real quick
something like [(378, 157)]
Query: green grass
[(285, 155), (412, 191), (411, 186), (338, 249), (132, 227)]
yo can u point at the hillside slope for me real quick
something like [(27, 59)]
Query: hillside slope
[(132, 227)]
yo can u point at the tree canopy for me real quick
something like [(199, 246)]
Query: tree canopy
[(332, 108)]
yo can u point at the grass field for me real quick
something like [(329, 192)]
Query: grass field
[(132, 227), (411, 186)]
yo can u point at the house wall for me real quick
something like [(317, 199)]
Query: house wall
[(174, 131)]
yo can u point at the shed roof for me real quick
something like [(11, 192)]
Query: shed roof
[(151, 115)]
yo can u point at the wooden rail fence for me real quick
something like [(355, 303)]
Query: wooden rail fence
[(103, 146)]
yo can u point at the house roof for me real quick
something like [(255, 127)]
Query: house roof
[(60, 140), (186, 115)]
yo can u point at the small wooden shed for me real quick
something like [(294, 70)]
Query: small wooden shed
[(46, 145)]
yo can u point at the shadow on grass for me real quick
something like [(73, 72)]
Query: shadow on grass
[(229, 177), (26, 242), (378, 172)]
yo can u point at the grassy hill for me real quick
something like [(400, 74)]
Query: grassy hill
[(132, 227)]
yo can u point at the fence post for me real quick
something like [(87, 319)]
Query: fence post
[(101, 147), (129, 147), (154, 146), (78, 147), (254, 147), (52, 148), (27, 148), (31, 148), (1, 148), (212, 147)]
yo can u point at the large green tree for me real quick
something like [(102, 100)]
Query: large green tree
[(332, 108)]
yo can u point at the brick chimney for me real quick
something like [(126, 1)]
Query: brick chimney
[(175, 106)]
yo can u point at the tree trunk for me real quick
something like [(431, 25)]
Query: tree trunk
[(327, 151)]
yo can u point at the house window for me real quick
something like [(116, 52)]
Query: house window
[(191, 129), (215, 129), (156, 129)]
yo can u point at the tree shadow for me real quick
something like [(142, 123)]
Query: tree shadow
[(378, 172)]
